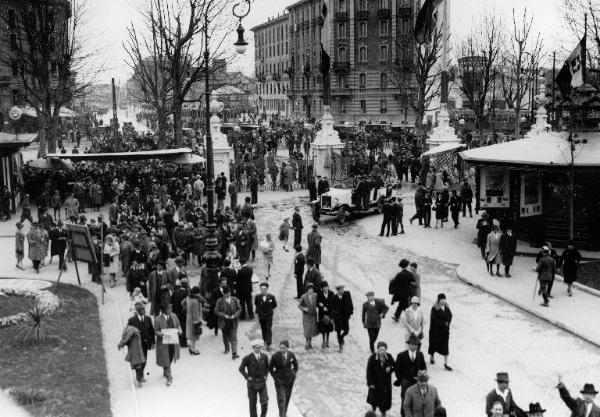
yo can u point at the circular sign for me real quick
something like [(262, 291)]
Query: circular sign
[(15, 113)]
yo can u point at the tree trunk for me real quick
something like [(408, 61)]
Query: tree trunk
[(177, 123), (162, 120), (42, 151), (518, 122), (52, 133)]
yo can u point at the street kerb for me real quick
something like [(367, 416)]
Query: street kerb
[(461, 276)]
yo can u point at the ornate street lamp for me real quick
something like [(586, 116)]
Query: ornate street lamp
[(212, 256)]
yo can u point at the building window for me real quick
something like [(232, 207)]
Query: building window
[(362, 81), (383, 105), (342, 6), (13, 42), (383, 28), (362, 54), (342, 30), (342, 81), (363, 6), (342, 54), (383, 80), (342, 106), (15, 97), (383, 4), (383, 53), (363, 106), (404, 27), (15, 68), (362, 30)]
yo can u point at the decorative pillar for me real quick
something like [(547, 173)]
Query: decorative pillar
[(222, 152)]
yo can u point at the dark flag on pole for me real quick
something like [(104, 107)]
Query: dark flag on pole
[(427, 21), (571, 73)]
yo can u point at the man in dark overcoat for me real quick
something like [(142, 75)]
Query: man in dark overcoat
[(143, 323), (400, 286), (341, 310), (407, 366)]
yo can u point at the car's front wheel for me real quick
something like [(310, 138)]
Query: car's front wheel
[(343, 215)]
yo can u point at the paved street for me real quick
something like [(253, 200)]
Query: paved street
[(487, 334)]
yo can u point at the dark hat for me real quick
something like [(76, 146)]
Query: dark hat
[(179, 260), (369, 293), (161, 263), (226, 289), (315, 226), (589, 389), (285, 343), (403, 263), (413, 340), (502, 377), (310, 285), (535, 408), (264, 284), (422, 376), (339, 286), (160, 224), (184, 282)]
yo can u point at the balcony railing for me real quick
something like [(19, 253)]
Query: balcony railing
[(405, 11), (341, 92), (384, 14), (276, 77), (362, 14), (341, 66), (341, 16)]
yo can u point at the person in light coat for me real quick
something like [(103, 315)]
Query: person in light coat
[(421, 399), (413, 319), (112, 250), (492, 250), (166, 354)]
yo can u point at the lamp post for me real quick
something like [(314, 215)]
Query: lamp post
[(212, 256)]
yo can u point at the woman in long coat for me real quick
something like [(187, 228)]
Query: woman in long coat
[(570, 260), (508, 249), (166, 354), (439, 330), (379, 379), (37, 249), (112, 250), (314, 245), (324, 304), (253, 235), (492, 249), (308, 305), (135, 355), (192, 305)]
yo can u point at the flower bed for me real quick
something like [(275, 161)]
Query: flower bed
[(45, 299)]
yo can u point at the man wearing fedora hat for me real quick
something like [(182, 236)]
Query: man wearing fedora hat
[(407, 366), (400, 286), (535, 410), (580, 407), (373, 310), (503, 394), (342, 308), (421, 399)]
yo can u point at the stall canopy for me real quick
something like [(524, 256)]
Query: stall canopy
[(53, 164), (551, 150), (443, 148), (167, 154), (64, 112), (12, 140), (187, 159)]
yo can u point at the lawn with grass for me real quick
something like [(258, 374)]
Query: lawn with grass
[(66, 375), (11, 305)]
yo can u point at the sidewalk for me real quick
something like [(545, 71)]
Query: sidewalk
[(209, 383), (456, 246)]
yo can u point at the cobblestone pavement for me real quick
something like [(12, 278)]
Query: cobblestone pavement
[(487, 335)]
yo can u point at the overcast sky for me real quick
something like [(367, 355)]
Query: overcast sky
[(108, 20)]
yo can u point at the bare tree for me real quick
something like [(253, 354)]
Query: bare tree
[(417, 75), (173, 52), (46, 54), (481, 49), (521, 57)]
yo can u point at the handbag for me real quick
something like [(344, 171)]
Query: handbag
[(325, 320), (197, 329)]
